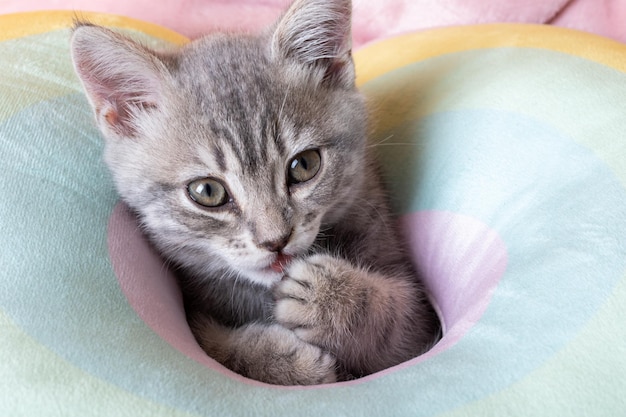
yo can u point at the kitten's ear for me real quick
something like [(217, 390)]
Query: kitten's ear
[(316, 34), (121, 78)]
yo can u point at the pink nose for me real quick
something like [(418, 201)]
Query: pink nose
[(276, 245)]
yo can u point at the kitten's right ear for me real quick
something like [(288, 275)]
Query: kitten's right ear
[(317, 35), (121, 78)]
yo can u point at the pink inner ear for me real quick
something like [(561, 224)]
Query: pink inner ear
[(120, 77), (111, 117), (460, 258)]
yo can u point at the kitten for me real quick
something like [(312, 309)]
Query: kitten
[(246, 159)]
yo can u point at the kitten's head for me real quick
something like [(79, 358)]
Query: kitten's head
[(235, 149)]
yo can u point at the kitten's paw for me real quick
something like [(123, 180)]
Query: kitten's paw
[(322, 299), (267, 353), (279, 357)]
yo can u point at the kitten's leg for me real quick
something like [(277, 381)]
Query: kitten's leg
[(369, 321), (267, 353)]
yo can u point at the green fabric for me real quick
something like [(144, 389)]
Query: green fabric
[(528, 142)]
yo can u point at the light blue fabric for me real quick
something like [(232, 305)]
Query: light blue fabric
[(527, 141)]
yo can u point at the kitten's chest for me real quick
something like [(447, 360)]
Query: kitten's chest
[(339, 241), (231, 302)]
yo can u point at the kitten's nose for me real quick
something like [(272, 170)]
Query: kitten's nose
[(276, 245)]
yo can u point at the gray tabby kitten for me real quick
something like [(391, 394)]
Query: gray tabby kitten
[(245, 158)]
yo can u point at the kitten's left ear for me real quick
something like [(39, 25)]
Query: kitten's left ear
[(316, 34), (121, 78)]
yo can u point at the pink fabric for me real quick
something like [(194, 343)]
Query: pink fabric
[(149, 287), (373, 19), (461, 262), (602, 17)]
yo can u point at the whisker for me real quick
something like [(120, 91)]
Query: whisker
[(385, 139), (378, 145), (282, 106), (384, 142), (376, 211)]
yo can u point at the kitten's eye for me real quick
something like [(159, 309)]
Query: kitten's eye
[(207, 192), (304, 166)]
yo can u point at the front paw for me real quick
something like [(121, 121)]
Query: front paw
[(276, 356), (267, 353), (322, 299)]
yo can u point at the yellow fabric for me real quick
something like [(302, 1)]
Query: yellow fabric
[(381, 57), (25, 24)]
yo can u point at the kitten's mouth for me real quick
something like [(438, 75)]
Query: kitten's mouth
[(280, 262)]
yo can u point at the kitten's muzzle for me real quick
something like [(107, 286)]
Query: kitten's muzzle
[(277, 245), (281, 261)]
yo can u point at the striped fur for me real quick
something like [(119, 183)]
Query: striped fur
[(237, 109)]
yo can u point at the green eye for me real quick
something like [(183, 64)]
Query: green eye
[(304, 166), (207, 192)]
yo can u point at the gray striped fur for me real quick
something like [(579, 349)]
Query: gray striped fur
[(238, 108)]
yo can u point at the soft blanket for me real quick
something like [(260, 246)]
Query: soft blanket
[(506, 158), (373, 19)]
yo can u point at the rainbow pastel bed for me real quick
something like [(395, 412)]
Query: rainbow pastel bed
[(505, 150)]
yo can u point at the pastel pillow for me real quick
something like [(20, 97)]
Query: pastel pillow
[(503, 149)]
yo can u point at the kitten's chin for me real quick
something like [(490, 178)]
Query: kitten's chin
[(270, 274)]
